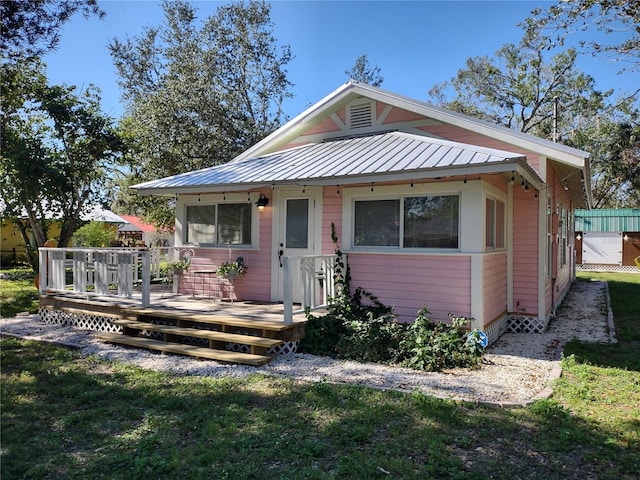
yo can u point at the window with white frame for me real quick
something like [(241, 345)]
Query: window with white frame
[(494, 223), (563, 230), (549, 236), (218, 224), (408, 222)]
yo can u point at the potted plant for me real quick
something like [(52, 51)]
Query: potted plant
[(233, 269), (179, 266)]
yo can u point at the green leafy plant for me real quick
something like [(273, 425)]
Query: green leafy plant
[(433, 345), (232, 269), (177, 267)]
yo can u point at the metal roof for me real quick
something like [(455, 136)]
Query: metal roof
[(608, 220), (386, 156)]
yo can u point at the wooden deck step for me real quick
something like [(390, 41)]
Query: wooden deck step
[(220, 355), (200, 333), (210, 318)]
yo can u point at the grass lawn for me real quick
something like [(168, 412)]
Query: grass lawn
[(64, 416), (18, 295)]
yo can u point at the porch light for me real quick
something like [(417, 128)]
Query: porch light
[(579, 237), (626, 237), (262, 202)]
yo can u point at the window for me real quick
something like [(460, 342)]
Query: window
[(563, 230), (222, 224), (495, 223), (407, 222), (549, 237)]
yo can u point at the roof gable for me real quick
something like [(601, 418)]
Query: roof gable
[(329, 118)]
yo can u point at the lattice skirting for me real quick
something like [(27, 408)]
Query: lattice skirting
[(526, 324), (495, 329), (287, 348), (608, 268), (83, 321)]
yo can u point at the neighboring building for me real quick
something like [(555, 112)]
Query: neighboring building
[(608, 239), (432, 208), (136, 232), (12, 243)]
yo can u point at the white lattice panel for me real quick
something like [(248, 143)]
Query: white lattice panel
[(83, 321), (525, 324), (608, 268), (287, 348)]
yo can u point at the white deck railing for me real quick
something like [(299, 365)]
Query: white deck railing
[(94, 272), (311, 279), (116, 272)]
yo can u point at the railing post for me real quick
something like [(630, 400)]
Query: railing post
[(79, 271), (287, 291), (44, 267), (146, 278), (101, 273), (125, 274)]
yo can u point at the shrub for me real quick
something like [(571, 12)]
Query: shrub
[(374, 339), (434, 346)]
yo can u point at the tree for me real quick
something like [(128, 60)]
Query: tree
[(198, 94), (614, 147), (56, 152), (517, 88), (364, 73), (617, 19), (31, 28)]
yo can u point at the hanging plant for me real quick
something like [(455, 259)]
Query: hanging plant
[(233, 269)]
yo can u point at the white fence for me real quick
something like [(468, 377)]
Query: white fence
[(95, 272), (127, 273), (313, 287)]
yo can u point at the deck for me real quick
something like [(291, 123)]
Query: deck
[(237, 332)]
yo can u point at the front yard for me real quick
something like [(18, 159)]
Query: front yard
[(64, 416)]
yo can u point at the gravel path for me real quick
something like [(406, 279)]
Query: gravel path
[(516, 370)]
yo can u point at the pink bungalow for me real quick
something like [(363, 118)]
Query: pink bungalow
[(430, 206)]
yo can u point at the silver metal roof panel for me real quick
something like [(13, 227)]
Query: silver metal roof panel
[(346, 159)]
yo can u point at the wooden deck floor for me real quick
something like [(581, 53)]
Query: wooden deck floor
[(172, 321)]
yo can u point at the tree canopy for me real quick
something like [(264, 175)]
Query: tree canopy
[(363, 72), (617, 20), (519, 87), (32, 28), (57, 148), (198, 93)]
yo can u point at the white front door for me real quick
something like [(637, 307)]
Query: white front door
[(297, 234)]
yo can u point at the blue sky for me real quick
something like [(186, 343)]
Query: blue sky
[(416, 44)]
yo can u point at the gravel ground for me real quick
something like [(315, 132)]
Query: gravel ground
[(516, 370)]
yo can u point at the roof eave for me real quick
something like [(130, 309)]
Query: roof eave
[(518, 165)]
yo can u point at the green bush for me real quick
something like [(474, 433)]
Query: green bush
[(433, 346), (371, 334), (374, 339)]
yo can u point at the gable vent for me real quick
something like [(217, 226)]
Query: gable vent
[(361, 115)]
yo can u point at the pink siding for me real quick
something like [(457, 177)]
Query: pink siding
[(560, 280), (397, 115), (525, 251), (409, 282), (331, 213), (458, 134), (495, 286), (327, 125), (256, 283)]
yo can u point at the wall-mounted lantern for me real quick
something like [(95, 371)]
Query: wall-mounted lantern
[(262, 202)]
